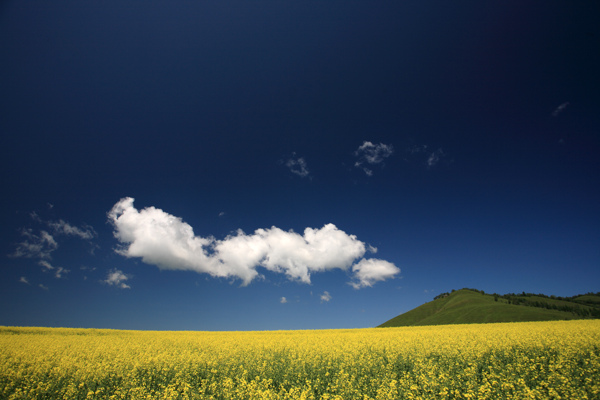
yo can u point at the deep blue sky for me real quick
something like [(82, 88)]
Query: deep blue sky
[(460, 139)]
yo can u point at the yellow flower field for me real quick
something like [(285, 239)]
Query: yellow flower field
[(533, 360)]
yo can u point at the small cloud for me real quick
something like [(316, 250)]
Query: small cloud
[(297, 165), (369, 153), (325, 297), (117, 278), (46, 265), (35, 245), (423, 154), (560, 109), (222, 213), (24, 280), (435, 158), (40, 243), (43, 286), (62, 227), (58, 271), (367, 272), (283, 300)]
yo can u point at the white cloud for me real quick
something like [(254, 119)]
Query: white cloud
[(164, 240), (117, 278), (297, 165), (24, 280), (372, 154), (369, 271), (283, 300), (43, 286), (325, 297)]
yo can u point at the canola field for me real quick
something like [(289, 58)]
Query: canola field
[(532, 360)]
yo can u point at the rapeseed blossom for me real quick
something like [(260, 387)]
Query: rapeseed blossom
[(532, 360)]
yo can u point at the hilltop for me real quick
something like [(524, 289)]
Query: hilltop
[(467, 306)]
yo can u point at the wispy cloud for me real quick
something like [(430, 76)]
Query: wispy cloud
[(64, 228), (40, 243), (434, 158), (424, 154), (24, 280), (43, 286), (57, 271), (372, 154), (35, 245), (283, 300), (117, 278), (325, 297), (163, 240), (560, 109), (297, 165)]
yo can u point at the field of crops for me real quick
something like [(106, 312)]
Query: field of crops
[(488, 361)]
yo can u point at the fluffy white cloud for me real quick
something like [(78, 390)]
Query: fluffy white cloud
[(283, 300), (325, 297), (117, 278), (166, 241), (369, 271), (24, 280), (372, 154)]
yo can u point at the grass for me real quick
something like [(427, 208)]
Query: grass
[(467, 306)]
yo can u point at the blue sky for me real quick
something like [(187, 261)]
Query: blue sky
[(227, 165)]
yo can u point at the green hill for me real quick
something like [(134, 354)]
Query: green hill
[(467, 306)]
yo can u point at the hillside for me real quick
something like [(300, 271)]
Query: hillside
[(471, 306)]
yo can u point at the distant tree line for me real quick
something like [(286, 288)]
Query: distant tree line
[(572, 298), (524, 299), (591, 309), (441, 295), (445, 294)]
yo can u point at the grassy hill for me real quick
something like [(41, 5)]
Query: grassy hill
[(471, 306)]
